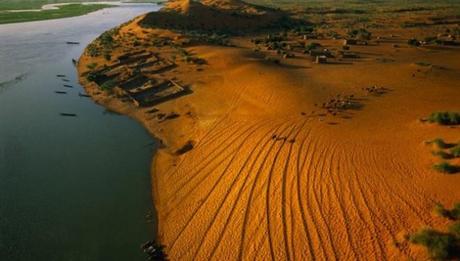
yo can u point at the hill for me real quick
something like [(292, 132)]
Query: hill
[(224, 16)]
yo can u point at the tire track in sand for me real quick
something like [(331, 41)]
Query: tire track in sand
[(312, 169), (283, 197), (267, 197), (303, 215), (333, 189), (214, 249), (253, 129), (354, 185), (216, 145), (295, 185), (207, 162), (334, 167), (250, 199)]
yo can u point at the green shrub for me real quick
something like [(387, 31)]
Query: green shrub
[(93, 50), (303, 29), (91, 66), (454, 229), (273, 60), (446, 168), (312, 46), (440, 211), (108, 85), (424, 64), (440, 143), (413, 42), (445, 118), (440, 246), (106, 39), (183, 52), (430, 39), (455, 151), (361, 34), (455, 212), (92, 76), (443, 155), (214, 38)]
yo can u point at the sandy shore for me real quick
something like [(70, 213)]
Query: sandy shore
[(273, 176)]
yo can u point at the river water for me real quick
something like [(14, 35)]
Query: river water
[(71, 188)]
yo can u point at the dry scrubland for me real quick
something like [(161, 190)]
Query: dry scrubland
[(281, 142)]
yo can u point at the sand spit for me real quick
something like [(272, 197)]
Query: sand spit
[(285, 160)]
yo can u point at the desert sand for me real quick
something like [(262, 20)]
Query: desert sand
[(268, 173)]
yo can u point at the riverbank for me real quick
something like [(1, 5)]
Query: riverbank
[(24, 11), (273, 151)]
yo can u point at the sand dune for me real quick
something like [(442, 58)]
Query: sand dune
[(222, 16), (272, 177), (319, 192)]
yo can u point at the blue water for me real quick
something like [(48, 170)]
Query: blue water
[(71, 188)]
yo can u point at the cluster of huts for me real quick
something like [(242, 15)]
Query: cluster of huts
[(132, 76), (287, 49)]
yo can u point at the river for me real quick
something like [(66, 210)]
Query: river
[(71, 188)]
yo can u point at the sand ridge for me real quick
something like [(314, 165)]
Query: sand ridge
[(220, 16), (273, 176)]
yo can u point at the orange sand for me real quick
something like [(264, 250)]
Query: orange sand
[(329, 187)]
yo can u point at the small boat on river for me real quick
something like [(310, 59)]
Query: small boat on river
[(68, 114)]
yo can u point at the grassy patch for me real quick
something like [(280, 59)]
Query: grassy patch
[(108, 85), (424, 64), (37, 4), (29, 4), (443, 155), (273, 60), (440, 246), (453, 214), (455, 211), (104, 44), (63, 11), (312, 46), (440, 211), (445, 118), (210, 38), (91, 66), (446, 168), (455, 151), (107, 56), (413, 42), (94, 76), (454, 229), (440, 143), (361, 34)]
